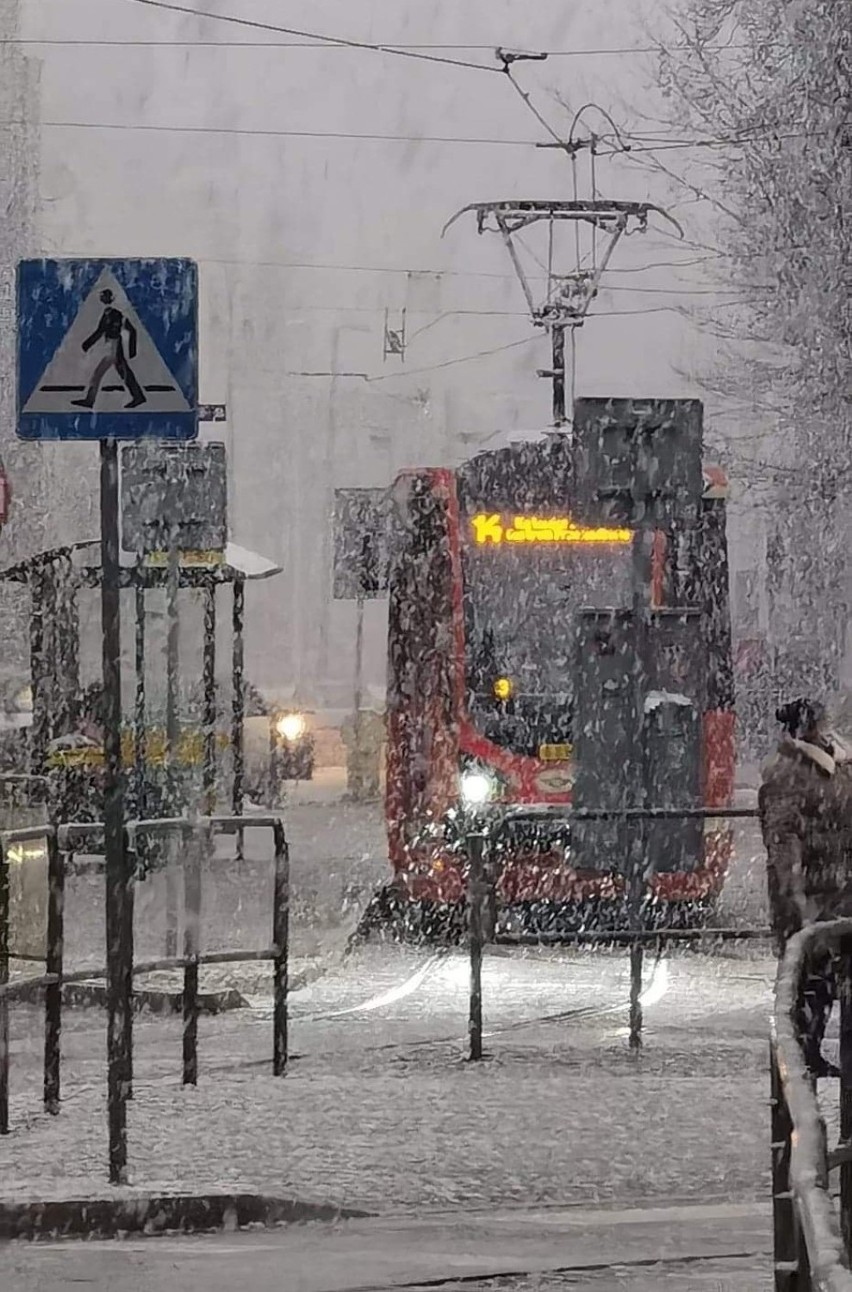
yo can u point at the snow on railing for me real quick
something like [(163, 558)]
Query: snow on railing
[(809, 1247)]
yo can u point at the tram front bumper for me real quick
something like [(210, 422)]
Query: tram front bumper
[(528, 853)]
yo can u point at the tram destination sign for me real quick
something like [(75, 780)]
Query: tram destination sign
[(361, 547), (174, 496)]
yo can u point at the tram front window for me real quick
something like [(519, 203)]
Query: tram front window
[(521, 603)]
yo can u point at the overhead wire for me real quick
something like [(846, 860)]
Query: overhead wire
[(730, 141), (312, 39), (255, 132), (432, 367), (377, 138), (323, 43), (438, 317), (470, 358), (431, 272), (319, 38), (166, 127), (526, 98)]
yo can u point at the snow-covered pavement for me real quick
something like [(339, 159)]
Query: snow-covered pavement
[(722, 1246), (380, 1111)]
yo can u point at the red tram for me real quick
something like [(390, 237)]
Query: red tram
[(488, 570)]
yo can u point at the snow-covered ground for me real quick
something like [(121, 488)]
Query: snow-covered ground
[(723, 1247), (379, 1109)]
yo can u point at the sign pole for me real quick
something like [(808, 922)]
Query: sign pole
[(172, 734), (359, 663), (107, 350), (118, 950), (636, 881)]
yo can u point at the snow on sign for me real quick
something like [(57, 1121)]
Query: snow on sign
[(107, 349), (360, 544), (175, 493)]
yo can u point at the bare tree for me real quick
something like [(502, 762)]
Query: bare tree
[(767, 85)]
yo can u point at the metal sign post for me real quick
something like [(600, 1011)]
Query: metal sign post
[(118, 1001), (172, 738), (108, 351), (359, 657), (476, 891), (636, 875)]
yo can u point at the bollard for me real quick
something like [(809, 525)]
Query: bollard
[(191, 941), (4, 999), (281, 942), (128, 895), (637, 955), (53, 965), (475, 893)]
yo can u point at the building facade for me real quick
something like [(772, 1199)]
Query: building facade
[(312, 185)]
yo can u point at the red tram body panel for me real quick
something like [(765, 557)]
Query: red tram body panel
[(480, 673)]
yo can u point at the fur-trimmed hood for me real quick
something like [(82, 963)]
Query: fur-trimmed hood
[(802, 750)]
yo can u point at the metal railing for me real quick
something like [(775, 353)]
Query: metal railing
[(481, 900), (812, 1238), (59, 842)]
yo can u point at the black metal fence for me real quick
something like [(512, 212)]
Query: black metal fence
[(121, 967), (483, 878), (812, 1222)]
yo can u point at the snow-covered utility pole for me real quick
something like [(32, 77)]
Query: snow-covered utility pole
[(569, 294)]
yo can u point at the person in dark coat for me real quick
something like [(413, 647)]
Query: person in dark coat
[(805, 807)]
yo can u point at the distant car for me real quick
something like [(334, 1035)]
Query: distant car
[(292, 745), (279, 746)]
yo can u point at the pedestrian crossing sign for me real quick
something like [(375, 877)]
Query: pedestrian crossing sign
[(107, 350)]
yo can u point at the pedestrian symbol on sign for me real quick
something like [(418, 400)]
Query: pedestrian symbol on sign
[(107, 339), (111, 328)]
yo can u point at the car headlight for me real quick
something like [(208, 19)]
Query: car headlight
[(290, 726), (476, 788)]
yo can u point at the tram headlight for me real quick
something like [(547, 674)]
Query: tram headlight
[(290, 726), (476, 788)]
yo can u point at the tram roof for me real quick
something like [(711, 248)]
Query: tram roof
[(715, 479)]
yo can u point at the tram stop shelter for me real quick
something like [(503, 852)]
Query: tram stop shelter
[(54, 579)]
